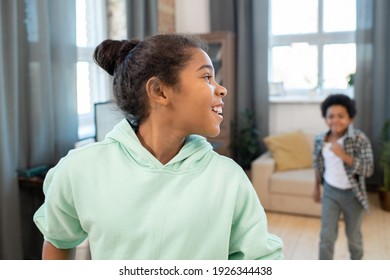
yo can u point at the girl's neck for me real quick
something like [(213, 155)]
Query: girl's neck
[(162, 143)]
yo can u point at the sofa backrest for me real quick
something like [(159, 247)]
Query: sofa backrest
[(310, 140)]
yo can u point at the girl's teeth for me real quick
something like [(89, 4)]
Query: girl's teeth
[(217, 110)]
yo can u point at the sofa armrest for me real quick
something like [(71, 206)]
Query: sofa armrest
[(262, 169)]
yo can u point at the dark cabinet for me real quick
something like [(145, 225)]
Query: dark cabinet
[(31, 198)]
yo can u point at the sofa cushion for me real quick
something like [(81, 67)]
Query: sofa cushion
[(290, 150), (295, 182)]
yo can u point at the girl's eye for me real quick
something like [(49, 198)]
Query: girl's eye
[(207, 77)]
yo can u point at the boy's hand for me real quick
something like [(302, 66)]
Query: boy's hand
[(337, 149)]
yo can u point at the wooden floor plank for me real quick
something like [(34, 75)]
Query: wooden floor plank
[(300, 234)]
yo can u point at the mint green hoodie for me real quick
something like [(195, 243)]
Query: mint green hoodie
[(200, 205)]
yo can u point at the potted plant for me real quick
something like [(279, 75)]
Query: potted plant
[(245, 141), (384, 191), (351, 79)]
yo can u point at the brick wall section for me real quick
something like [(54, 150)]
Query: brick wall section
[(116, 19), (166, 15)]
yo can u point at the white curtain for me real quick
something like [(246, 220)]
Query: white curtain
[(38, 102)]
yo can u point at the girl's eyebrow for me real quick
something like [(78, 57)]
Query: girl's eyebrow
[(208, 66)]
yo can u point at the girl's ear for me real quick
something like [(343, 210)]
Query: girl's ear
[(154, 89)]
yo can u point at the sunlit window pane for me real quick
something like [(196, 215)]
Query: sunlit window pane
[(312, 45), (339, 62), (339, 15), (295, 66), (83, 88), (92, 85), (294, 17)]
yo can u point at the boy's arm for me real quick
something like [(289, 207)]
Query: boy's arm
[(317, 188), (50, 252), (316, 195)]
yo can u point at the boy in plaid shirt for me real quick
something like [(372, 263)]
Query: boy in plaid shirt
[(342, 159)]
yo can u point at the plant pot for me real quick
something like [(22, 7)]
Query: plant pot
[(384, 198)]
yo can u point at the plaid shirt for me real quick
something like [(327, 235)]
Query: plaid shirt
[(358, 146)]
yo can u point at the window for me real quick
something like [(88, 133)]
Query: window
[(92, 82), (312, 45)]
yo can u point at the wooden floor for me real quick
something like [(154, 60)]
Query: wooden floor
[(300, 234)]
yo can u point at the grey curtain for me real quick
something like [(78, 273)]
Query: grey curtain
[(38, 102), (142, 18), (372, 82), (248, 20)]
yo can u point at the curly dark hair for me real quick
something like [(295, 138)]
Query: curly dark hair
[(339, 99), (134, 62)]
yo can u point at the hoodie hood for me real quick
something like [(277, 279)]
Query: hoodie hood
[(195, 153)]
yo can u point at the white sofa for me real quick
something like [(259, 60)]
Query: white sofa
[(285, 191)]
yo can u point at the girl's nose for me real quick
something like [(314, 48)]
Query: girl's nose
[(221, 91)]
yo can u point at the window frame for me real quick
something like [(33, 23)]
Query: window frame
[(96, 16), (319, 39)]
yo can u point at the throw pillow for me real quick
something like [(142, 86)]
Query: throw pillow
[(290, 150)]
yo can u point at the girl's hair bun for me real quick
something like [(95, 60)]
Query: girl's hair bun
[(110, 53)]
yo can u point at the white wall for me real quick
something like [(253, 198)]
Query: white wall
[(291, 116), (192, 16)]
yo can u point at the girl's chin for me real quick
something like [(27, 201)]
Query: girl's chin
[(212, 134)]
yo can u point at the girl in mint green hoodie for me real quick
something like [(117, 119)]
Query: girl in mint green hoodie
[(154, 188)]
